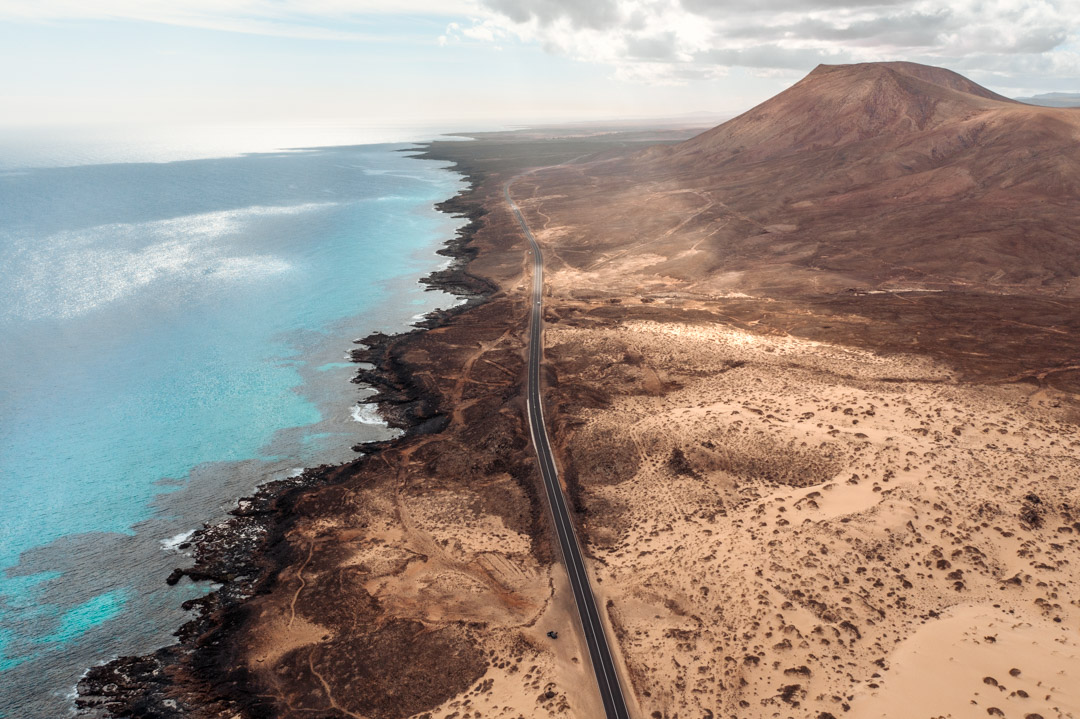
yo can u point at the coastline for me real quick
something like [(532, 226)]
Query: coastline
[(239, 553), (832, 468), (422, 574)]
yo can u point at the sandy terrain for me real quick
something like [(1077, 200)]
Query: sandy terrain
[(423, 586), (814, 388), (786, 528), (815, 377)]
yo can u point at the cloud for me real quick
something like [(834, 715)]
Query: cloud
[(901, 29), (663, 46), (315, 19), (774, 57), (593, 14), (674, 41), (715, 8), (661, 41)]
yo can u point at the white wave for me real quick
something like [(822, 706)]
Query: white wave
[(255, 266), (296, 472), (368, 413), (172, 544), (397, 173), (73, 272)]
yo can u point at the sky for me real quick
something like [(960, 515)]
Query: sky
[(483, 62)]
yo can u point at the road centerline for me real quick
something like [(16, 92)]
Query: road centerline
[(607, 678)]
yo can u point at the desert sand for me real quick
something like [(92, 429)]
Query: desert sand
[(785, 528)]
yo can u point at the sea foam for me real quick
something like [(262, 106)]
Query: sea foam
[(70, 273), (368, 413), (172, 544)]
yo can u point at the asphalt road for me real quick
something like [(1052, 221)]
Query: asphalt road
[(606, 676)]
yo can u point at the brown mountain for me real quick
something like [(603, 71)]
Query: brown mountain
[(901, 119), (839, 104), (877, 174)]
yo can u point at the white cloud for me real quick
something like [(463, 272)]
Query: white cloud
[(675, 41), (318, 19), (1017, 43)]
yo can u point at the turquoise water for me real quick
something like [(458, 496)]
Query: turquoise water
[(172, 334)]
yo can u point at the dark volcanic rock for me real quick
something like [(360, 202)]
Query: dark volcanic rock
[(389, 668)]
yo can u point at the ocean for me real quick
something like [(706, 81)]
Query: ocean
[(173, 333)]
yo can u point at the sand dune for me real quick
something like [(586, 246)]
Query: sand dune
[(790, 529)]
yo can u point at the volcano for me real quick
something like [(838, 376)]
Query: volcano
[(870, 175), (839, 104)]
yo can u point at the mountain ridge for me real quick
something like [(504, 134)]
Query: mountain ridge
[(838, 104)]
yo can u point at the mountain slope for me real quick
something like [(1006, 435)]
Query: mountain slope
[(869, 175), (838, 104)]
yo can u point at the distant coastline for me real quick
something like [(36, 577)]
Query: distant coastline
[(1053, 99)]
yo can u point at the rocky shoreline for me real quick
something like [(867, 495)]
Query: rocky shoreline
[(243, 553), (418, 578)]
